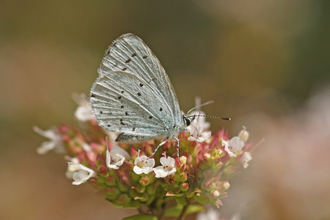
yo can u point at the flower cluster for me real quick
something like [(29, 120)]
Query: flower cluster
[(126, 176)]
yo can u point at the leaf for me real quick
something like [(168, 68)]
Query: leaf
[(176, 210), (181, 201), (141, 217)]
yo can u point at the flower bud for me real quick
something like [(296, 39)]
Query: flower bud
[(122, 187), (215, 193), (103, 170), (207, 156), (226, 185), (134, 204), (243, 135), (144, 181), (123, 200), (184, 187), (132, 193), (111, 193), (183, 160), (139, 188), (134, 153), (111, 181)]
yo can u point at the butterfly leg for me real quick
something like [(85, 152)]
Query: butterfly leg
[(158, 147), (177, 146)]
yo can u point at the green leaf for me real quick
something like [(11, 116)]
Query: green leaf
[(176, 210), (181, 201), (141, 217)]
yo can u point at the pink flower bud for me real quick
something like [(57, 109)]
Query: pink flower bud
[(111, 181), (103, 170), (144, 181), (184, 187)]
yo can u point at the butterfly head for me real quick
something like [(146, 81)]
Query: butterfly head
[(188, 119)]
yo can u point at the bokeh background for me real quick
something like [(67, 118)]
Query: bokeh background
[(265, 63)]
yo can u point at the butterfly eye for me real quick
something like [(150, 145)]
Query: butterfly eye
[(188, 122)]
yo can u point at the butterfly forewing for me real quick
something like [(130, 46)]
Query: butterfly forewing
[(130, 53), (133, 94)]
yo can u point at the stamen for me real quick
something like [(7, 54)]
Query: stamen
[(263, 139)]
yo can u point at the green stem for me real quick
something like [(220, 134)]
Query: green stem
[(184, 210)]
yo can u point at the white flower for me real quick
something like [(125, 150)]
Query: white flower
[(167, 167), (196, 130), (200, 120), (73, 160), (80, 173), (84, 111), (197, 126), (226, 145), (143, 164), (209, 214), (55, 142), (246, 157), (116, 157), (236, 143)]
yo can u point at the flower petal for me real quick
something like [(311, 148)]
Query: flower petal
[(163, 161), (45, 147), (151, 162), (137, 170), (80, 173), (137, 160), (246, 157), (84, 113), (121, 151), (236, 144), (226, 145), (159, 171)]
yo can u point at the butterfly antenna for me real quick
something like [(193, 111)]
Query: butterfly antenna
[(207, 116), (206, 103)]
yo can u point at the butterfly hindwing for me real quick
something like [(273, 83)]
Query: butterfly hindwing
[(121, 108)]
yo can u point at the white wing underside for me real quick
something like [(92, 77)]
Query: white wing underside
[(133, 93)]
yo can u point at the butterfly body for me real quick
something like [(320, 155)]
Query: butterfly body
[(133, 95)]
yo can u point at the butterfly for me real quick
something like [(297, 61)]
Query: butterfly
[(134, 96)]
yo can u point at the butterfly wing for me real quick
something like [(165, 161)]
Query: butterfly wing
[(133, 93)]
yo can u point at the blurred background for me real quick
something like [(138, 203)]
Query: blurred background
[(265, 63)]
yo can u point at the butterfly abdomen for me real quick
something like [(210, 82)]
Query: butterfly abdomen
[(133, 138)]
